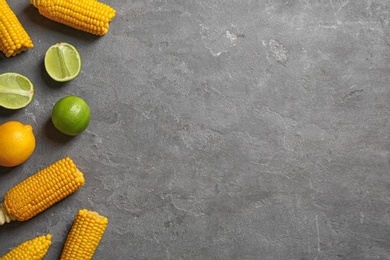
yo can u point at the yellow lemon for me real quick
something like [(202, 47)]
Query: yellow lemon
[(17, 143)]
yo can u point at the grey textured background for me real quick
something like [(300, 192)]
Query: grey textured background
[(220, 129)]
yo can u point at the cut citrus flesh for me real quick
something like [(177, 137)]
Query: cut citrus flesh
[(62, 62), (16, 90)]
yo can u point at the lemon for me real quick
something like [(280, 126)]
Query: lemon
[(17, 143), (16, 90), (71, 115), (62, 62)]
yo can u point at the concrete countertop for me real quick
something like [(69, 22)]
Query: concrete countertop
[(220, 130)]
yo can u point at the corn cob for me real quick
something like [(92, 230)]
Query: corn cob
[(32, 249), (41, 190), (13, 38), (86, 15), (84, 237)]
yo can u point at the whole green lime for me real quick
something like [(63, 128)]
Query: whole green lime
[(71, 115)]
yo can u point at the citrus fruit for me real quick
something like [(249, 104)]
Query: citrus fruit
[(62, 62), (16, 90), (17, 143), (71, 115)]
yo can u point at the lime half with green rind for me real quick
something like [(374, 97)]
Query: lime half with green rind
[(16, 90), (62, 62)]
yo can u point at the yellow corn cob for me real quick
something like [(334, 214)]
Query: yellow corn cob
[(84, 237), (13, 38), (85, 15), (32, 249), (41, 190)]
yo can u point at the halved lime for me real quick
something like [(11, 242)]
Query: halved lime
[(62, 62), (16, 90)]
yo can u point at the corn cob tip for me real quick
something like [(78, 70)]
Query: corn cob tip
[(35, 248), (4, 216), (14, 38), (85, 235)]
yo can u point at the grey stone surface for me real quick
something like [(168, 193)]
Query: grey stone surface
[(220, 130)]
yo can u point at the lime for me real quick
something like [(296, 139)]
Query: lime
[(71, 115), (16, 90), (62, 62)]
